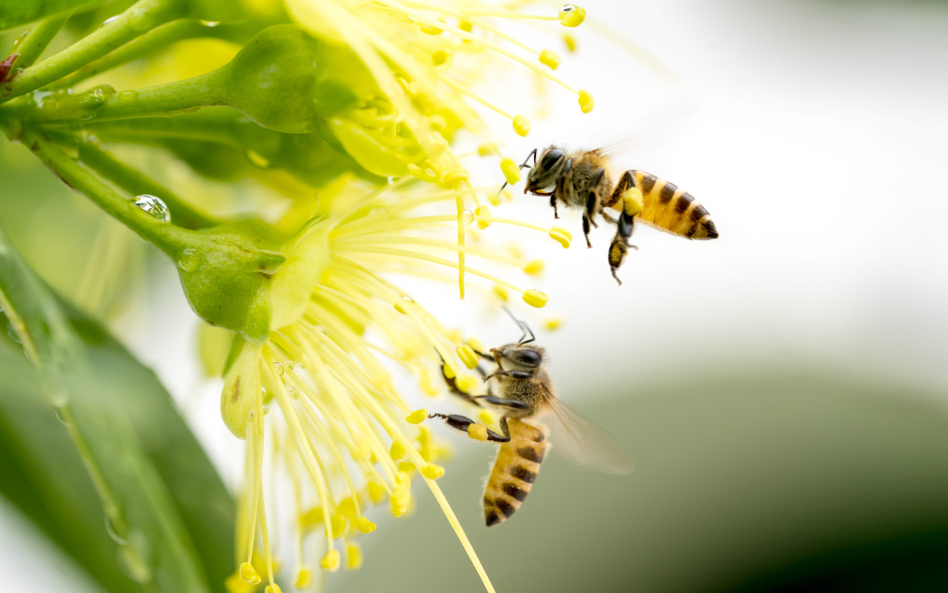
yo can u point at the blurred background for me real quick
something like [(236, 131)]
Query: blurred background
[(782, 389)]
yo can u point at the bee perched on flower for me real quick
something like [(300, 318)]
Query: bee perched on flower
[(344, 112)]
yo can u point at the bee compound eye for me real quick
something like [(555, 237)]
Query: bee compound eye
[(527, 356), (550, 158)]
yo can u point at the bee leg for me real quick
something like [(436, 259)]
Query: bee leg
[(556, 214), (620, 246), (586, 230), (461, 423), (497, 373), (625, 182), (506, 403)]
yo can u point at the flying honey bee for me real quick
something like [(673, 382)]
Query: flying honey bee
[(586, 179), (525, 391)]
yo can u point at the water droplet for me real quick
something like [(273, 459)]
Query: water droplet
[(288, 364), (108, 20), (210, 24), (391, 180), (61, 415), (266, 410), (291, 391), (128, 95), (569, 8), (154, 206), (189, 260), (113, 533), (279, 368), (467, 217), (26, 353), (13, 335), (300, 367)]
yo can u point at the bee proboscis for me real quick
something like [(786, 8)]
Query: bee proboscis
[(524, 391), (587, 179)]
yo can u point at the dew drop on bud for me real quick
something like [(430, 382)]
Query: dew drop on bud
[(110, 529), (279, 368), (266, 410), (154, 206), (13, 335), (467, 217)]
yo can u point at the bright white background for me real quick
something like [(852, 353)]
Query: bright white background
[(816, 140)]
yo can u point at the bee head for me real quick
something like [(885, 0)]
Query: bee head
[(543, 174), (521, 357)]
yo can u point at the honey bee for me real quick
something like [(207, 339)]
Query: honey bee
[(524, 391), (586, 179)]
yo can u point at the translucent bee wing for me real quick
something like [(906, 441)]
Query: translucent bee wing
[(654, 129), (582, 442)]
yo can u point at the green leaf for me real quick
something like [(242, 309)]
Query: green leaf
[(21, 12), (119, 483)]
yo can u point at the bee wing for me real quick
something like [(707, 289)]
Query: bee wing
[(584, 443), (654, 129)]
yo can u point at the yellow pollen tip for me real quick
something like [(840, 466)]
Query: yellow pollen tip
[(442, 56), (501, 292), (376, 492), (249, 574), (535, 298), (521, 125), (494, 199), (586, 101), (353, 557), (507, 195), (312, 517), (465, 383), (553, 323), (438, 123), (432, 471), (397, 450), (572, 15), (484, 150), (570, 41), (456, 176), (511, 170), (417, 417), (478, 432), (549, 58), (304, 578), (338, 523), (632, 201), (534, 267), (348, 508), (485, 417), (467, 356), (427, 382), (432, 30), (561, 236), (330, 561), (364, 525), (406, 467), (274, 588), (466, 26), (475, 345), (450, 370), (483, 211)]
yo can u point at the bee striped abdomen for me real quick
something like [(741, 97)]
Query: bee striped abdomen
[(518, 462), (671, 209)]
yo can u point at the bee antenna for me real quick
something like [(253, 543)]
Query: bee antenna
[(522, 325)]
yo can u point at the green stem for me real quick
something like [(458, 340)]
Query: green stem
[(155, 101), (36, 41), (172, 240), (137, 183), (139, 18)]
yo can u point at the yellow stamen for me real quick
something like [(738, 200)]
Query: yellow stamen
[(467, 356), (535, 298), (353, 557), (572, 15), (330, 561), (586, 101), (561, 236), (417, 417), (550, 58), (456, 525)]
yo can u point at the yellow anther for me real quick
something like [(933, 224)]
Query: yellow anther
[(397, 451), (484, 150), (450, 370), (521, 125), (424, 435), (432, 30), (553, 323), (406, 467), (467, 356), (348, 508), (249, 574), (570, 41), (561, 236), (465, 383), (501, 292), (466, 26), (401, 305), (511, 170), (550, 58), (442, 56), (586, 101), (426, 381), (399, 502), (483, 211), (432, 471), (364, 525), (274, 588), (338, 523), (438, 123), (534, 267), (485, 417), (304, 578), (478, 432), (494, 199), (535, 298), (353, 557), (376, 492), (507, 195), (417, 417), (456, 176), (572, 15), (632, 202), (475, 345), (330, 561), (312, 517)]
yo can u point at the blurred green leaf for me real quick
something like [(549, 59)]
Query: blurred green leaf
[(20, 12), (118, 481)]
